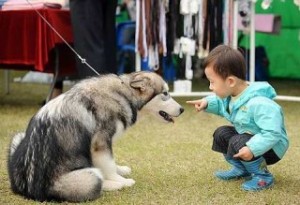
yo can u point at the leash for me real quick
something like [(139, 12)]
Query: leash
[(83, 60)]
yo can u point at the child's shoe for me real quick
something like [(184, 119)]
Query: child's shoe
[(237, 171), (261, 177)]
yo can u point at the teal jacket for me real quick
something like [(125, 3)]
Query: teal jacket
[(255, 112)]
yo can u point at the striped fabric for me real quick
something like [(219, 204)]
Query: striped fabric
[(227, 141)]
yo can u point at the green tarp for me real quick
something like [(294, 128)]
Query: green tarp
[(283, 49)]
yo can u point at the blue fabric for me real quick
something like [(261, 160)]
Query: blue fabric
[(255, 112), (2, 2)]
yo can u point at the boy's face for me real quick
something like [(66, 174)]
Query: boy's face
[(217, 84)]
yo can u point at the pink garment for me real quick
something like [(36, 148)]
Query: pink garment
[(30, 4), (266, 23)]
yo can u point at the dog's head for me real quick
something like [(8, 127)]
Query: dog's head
[(153, 93)]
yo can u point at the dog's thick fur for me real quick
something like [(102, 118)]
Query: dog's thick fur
[(66, 152)]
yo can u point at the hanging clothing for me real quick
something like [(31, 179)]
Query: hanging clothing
[(213, 28), (151, 30), (94, 32), (174, 24)]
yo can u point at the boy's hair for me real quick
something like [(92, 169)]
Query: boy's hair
[(226, 61)]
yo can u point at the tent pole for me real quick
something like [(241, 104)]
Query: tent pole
[(235, 23), (252, 42)]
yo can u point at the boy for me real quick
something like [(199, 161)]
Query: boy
[(258, 136)]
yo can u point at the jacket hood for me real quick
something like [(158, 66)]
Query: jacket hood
[(256, 89)]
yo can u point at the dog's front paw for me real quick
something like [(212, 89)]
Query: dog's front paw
[(109, 185), (128, 182), (123, 170)]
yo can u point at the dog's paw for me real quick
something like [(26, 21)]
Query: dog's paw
[(109, 185), (128, 182), (123, 170)]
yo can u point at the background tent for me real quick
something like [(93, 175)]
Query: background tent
[(283, 49)]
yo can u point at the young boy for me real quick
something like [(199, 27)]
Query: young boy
[(258, 136)]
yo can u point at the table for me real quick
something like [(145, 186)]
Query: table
[(28, 43)]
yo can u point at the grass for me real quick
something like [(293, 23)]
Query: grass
[(171, 163)]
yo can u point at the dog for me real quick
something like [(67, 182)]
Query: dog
[(66, 152)]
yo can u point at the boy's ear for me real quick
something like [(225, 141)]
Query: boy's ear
[(231, 81)]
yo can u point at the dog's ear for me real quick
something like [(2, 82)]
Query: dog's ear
[(139, 82)]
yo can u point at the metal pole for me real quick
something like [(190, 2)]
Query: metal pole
[(252, 42), (137, 61), (56, 73), (235, 23), (204, 94), (6, 82)]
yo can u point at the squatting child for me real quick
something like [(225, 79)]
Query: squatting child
[(257, 137)]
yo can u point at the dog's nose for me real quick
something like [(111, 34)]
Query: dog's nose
[(181, 110)]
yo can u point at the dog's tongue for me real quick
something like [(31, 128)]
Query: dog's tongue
[(170, 119)]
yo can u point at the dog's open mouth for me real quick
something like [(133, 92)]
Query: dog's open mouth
[(166, 116)]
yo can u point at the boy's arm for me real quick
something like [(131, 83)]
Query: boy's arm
[(198, 104), (211, 104), (214, 105), (269, 119)]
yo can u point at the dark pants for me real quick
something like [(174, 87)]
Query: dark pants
[(93, 24), (229, 142)]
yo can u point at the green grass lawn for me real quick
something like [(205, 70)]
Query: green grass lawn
[(171, 163)]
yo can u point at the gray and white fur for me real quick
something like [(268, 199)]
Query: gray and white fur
[(66, 151)]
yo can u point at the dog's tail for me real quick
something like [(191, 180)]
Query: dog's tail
[(75, 186), (78, 186), (16, 140)]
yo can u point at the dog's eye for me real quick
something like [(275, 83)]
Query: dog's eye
[(165, 96)]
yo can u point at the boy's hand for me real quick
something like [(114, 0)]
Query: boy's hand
[(244, 154), (199, 104)]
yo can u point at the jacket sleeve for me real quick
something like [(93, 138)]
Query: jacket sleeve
[(269, 119), (214, 105)]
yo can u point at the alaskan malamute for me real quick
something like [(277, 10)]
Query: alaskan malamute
[(66, 152)]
